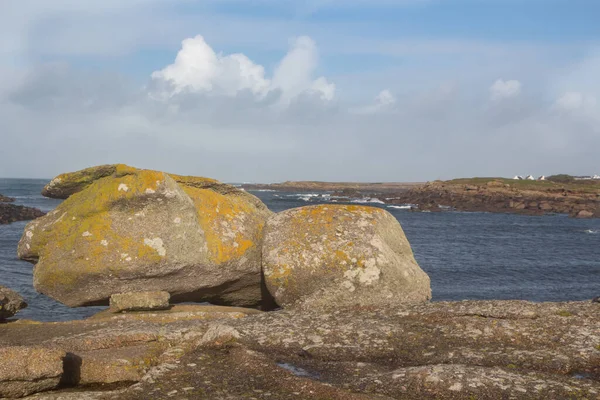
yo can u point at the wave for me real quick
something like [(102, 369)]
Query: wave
[(403, 207), (368, 200), (591, 232)]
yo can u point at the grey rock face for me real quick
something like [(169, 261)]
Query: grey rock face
[(332, 256)]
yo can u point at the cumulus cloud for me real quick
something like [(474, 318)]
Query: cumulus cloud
[(199, 69), (501, 89)]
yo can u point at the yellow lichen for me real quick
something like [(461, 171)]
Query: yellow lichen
[(225, 222), (85, 224)]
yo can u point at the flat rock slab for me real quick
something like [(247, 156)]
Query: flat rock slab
[(454, 350), (140, 301), (26, 370)]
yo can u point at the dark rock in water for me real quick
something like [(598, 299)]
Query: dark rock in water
[(4, 199), (10, 303), (442, 350), (10, 213), (596, 299), (584, 214)]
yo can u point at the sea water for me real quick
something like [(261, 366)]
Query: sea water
[(467, 255)]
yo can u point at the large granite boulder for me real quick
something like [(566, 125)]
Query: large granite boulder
[(141, 230), (334, 255), (10, 303)]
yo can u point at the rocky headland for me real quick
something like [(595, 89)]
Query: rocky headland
[(334, 306), (579, 199), (10, 213)]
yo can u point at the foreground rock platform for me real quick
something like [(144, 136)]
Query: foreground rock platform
[(442, 350)]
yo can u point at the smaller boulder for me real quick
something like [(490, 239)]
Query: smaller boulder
[(140, 301), (10, 303), (332, 256), (584, 214)]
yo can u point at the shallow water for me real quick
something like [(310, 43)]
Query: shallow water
[(467, 255)]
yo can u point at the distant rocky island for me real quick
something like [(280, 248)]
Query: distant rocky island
[(317, 302), (577, 198), (10, 213)]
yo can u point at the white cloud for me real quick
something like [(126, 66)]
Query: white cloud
[(576, 101), (294, 74), (505, 89), (384, 101), (198, 68)]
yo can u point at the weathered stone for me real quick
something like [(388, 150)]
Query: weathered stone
[(584, 214), (5, 199), (332, 256), (179, 312), (140, 230), (446, 350), (10, 213), (27, 370), (67, 184), (139, 301), (10, 303)]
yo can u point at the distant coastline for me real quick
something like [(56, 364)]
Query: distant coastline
[(576, 198)]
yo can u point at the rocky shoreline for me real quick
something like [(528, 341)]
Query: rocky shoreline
[(503, 197), (454, 350), (322, 302), (479, 194), (10, 213)]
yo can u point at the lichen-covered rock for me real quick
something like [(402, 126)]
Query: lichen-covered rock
[(10, 303), (67, 184), (140, 301), (142, 230), (26, 370), (433, 350), (335, 255)]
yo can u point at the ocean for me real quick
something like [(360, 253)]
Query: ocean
[(469, 256)]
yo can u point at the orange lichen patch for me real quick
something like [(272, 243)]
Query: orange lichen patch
[(226, 222), (122, 170)]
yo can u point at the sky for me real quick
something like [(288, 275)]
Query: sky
[(275, 90)]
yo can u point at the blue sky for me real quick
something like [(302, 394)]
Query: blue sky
[(314, 89)]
